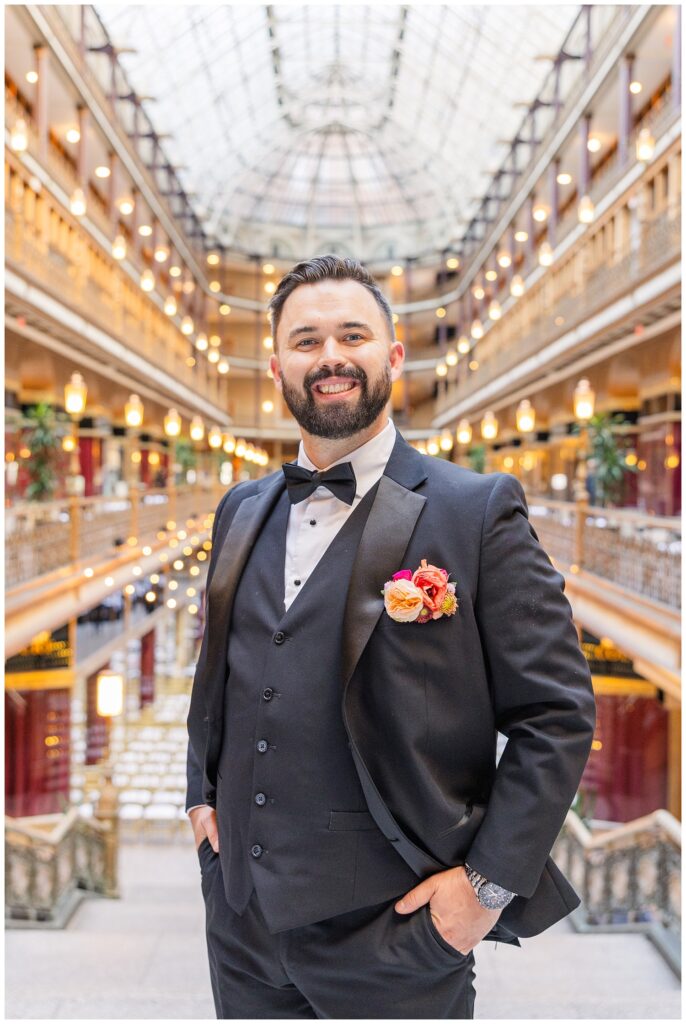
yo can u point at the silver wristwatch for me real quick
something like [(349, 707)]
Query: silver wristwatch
[(489, 895)]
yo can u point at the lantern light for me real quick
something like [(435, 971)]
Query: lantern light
[(214, 437), (201, 342), (133, 411), (172, 423), (119, 248), (526, 416), (187, 325), (477, 330), (463, 345), (517, 286), (464, 432), (75, 393), (446, 441), (441, 369), (645, 146), (19, 138), (147, 281), (170, 306), (451, 357), (545, 254), (494, 310), (504, 259), (584, 400), (489, 426), (77, 203), (125, 205), (586, 210), (197, 429)]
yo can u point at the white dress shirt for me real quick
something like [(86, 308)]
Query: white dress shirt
[(313, 523)]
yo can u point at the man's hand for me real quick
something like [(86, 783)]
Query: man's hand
[(454, 907), (204, 822)]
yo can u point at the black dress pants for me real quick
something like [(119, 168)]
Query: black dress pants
[(372, 962)]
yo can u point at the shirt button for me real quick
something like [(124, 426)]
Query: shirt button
[(279, 637), (297, 582), (256, 850), (313, 522), (260, 799), (267, 693), (262, 746)]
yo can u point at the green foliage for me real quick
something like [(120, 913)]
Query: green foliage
[(185, 455), (43, 443), (477, 458), (609, 452)]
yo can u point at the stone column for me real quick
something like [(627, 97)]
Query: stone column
[(625, 73), (42, 86)]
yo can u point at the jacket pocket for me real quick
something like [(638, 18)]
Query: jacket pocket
[(351, 821)]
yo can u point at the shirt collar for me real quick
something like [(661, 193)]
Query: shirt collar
[(368, 461)]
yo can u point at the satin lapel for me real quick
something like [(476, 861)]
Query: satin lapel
[(385, 538), (242, 533)]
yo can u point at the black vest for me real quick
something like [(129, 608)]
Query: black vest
[(292, 818)]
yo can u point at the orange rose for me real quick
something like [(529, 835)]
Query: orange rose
[(402, 600), (433, 583)]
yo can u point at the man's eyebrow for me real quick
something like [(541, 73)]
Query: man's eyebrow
[(344, 326)]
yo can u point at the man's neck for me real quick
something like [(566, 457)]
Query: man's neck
[(323, 451)]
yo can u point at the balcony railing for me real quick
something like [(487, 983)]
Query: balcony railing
[(639, 552), (628, 877), (42, 538)]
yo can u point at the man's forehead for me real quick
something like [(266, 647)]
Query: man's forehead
[(330, 298)]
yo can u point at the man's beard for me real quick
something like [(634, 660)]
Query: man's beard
[(342, 418)]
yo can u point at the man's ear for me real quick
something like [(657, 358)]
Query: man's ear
[(397, 359), (276, 371)]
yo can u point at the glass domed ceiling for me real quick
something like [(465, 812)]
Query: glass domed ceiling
[(371, 129)]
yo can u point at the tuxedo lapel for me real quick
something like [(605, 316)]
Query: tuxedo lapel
[(246, 524), (385, 539)]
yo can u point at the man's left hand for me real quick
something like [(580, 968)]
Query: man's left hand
[(454, 907)]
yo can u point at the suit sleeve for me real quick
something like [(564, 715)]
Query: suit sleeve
[(197, 724), (541, 692)]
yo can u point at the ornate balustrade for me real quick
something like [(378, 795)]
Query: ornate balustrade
[(42, 537), (53, 860), (628, 876), (639, 552)]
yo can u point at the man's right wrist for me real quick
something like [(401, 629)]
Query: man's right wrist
[(195, 807)]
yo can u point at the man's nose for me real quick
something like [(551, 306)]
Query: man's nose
[(332, 353)]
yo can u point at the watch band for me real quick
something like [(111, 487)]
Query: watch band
[(490, 895)]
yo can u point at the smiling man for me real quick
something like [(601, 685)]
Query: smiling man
[(374, 618)]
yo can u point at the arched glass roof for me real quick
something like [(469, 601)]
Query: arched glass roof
[(369, 128)]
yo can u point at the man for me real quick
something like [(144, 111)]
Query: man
[(374, 618)]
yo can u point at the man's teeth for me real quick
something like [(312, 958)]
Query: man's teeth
[(332, 389)]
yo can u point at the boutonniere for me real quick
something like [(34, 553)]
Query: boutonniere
[(421, 595)]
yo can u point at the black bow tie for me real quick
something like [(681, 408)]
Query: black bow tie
[(301, 482)]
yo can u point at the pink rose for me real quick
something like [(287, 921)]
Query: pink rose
[(433, 584), (404, 574)]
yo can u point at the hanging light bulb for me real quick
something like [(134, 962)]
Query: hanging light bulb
[(478, 292), (584, 400), (170, 306), (494, 310), (147, 280), (19, 138), (452, 263), (545, 254), (433, 446), (172, 423), (119, 248), (75, 393), (504, 259), (451, 357), (645, 146), (491, 275), (446, 441), (125, 205), (223, 366), (161, 254), (77, 203), (215, 340), (187, 325), (214, 437), (477, 330), (241, 448), (526, 416), (197, 429), (213, 355), (441, 369), (463, 345), (268, 405), (586, 210), (540, 213), (200, 342), (489, 426), (517, 286), (521, 235), (464, 432), (133, 411), (229, 444)]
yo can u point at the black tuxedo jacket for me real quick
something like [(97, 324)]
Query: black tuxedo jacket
[(422, 704)]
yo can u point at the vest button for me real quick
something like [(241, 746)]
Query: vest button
[(267, 693), (256, 850), (262, 746), (279, 637), (260, 799)]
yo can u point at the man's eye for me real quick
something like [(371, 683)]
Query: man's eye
[(348, 337), (304, 340)]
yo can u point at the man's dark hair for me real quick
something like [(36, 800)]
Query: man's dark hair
[(326, 268)]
